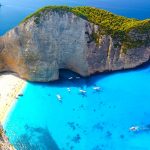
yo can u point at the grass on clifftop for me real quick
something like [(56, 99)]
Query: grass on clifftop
[(110, 24)]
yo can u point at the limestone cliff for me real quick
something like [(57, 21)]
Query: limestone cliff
[(4, 143), (52, 40)]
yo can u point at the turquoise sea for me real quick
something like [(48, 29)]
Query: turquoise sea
[(96, 121)]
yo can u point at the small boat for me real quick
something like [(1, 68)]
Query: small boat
[(70, 78), (83, 92), (96, 88), (69, 90), (134, 128), (59, 97), (77, 77), (139, 129)]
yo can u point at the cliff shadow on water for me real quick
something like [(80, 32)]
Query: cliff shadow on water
[(41, 135)]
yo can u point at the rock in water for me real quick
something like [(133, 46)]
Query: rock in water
[(55, 38)]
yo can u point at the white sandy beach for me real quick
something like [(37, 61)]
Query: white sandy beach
[(10, 87)]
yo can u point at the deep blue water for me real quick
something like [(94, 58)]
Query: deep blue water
[(97, 121), (13, 11)]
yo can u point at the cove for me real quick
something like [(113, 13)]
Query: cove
[(99, 120)]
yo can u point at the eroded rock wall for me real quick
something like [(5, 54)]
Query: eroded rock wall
[(36, 51)]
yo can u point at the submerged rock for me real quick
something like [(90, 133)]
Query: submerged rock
[(76, 139), (54, 39)]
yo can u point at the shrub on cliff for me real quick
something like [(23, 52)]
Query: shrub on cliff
[(116, 26)]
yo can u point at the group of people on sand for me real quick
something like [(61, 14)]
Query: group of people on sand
[(81, 91)]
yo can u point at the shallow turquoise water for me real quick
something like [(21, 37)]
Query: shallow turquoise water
[(98, 121)]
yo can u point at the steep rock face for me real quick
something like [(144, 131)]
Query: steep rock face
[(4, 143), (36, 51), (105, 57)]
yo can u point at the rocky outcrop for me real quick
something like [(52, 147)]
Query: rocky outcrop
[(4, 143), (36, 51)]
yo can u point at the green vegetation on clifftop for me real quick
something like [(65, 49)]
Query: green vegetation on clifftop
[(116, 26)]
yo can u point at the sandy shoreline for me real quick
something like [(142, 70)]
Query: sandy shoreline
[(10, 87)]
